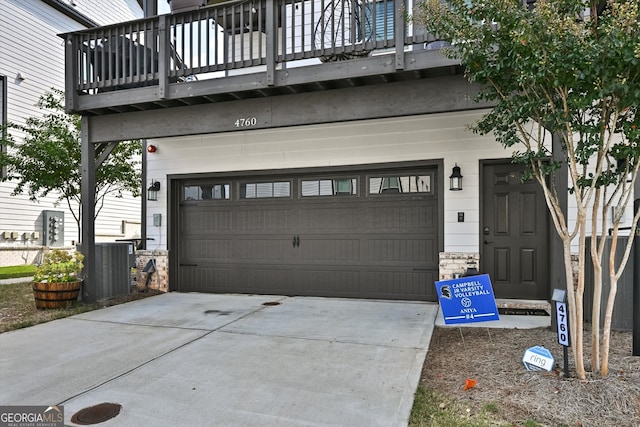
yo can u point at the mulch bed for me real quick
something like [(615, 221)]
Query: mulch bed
[(493, 358)]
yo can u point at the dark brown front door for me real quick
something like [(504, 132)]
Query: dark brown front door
[(514, 233)]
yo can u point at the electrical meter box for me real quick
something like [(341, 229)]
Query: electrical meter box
[(53, 228)]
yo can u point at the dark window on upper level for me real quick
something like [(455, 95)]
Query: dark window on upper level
[(384, 20), (380, 13)]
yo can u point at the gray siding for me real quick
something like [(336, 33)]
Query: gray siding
[(31, 47)]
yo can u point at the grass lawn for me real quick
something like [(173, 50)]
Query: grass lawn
[(17, 271), (434, 409), (18, 308)]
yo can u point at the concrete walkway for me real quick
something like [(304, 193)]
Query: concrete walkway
[(226, 360), (15, 280)]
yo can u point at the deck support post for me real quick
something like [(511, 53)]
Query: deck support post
[(399, 32), (163, 57), (271, 43), (87, 211)]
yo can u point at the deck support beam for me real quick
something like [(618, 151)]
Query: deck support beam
[(435, 95)]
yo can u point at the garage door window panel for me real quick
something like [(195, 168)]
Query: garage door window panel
[(198, 192), (265, 190), (401, 184), (329, 187)]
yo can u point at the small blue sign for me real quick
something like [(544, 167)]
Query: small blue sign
[(467, 300)]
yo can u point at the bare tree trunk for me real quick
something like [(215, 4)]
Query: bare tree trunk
[(597, 302), (579, 292), (596, 258), (606, 332), (575, 327)]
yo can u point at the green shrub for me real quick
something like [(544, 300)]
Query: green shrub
[(59, 266)]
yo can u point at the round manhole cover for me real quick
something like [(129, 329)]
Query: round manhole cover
[(96, 414), (271, 303)]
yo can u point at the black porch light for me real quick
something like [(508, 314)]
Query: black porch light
[(152, 191), (455, 180)]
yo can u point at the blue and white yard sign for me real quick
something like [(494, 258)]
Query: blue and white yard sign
[(467, 300)]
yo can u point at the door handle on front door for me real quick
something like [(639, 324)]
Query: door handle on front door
[(486, 242), (296, 241)]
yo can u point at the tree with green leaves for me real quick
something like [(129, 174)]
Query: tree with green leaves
[(43, 157), (569, 69)]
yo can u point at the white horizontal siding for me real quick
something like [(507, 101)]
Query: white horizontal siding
[(110, 11), (30, 46), (437, 136)]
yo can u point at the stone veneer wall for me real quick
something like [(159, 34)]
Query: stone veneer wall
[(456, 262), (160, 278)]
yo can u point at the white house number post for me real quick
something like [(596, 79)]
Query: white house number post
[(562, 318)]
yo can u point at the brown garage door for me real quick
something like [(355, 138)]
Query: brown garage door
[(362, 235)]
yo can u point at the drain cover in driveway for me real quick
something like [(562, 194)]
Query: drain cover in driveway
[(271, 303), (96, 414)]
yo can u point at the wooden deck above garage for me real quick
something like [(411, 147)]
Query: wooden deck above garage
[(246, 49)]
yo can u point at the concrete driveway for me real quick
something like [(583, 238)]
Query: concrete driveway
[(226, 360)]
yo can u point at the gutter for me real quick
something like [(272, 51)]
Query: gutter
[(71, 13)]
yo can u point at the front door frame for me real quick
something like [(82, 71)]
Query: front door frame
[(550, 229)]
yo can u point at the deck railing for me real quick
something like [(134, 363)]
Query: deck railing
[(213, 41)]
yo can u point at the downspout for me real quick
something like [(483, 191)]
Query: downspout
[(143, 219), (150, 7), (636, 276)]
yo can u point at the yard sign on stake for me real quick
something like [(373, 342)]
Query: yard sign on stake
[(467, 300)]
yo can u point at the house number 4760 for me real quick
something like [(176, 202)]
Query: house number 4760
[(246, 122)]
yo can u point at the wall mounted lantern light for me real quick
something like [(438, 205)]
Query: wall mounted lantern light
[(455, 179), (152, 191)]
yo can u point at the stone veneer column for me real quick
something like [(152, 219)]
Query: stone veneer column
[(160, 278), (456, 262)]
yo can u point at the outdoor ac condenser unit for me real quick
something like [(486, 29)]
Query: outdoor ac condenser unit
[(113, 270)]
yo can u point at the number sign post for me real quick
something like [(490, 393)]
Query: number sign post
[(563, 324), (562, 319)]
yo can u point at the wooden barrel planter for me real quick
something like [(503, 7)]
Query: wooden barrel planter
[(56, 295)]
